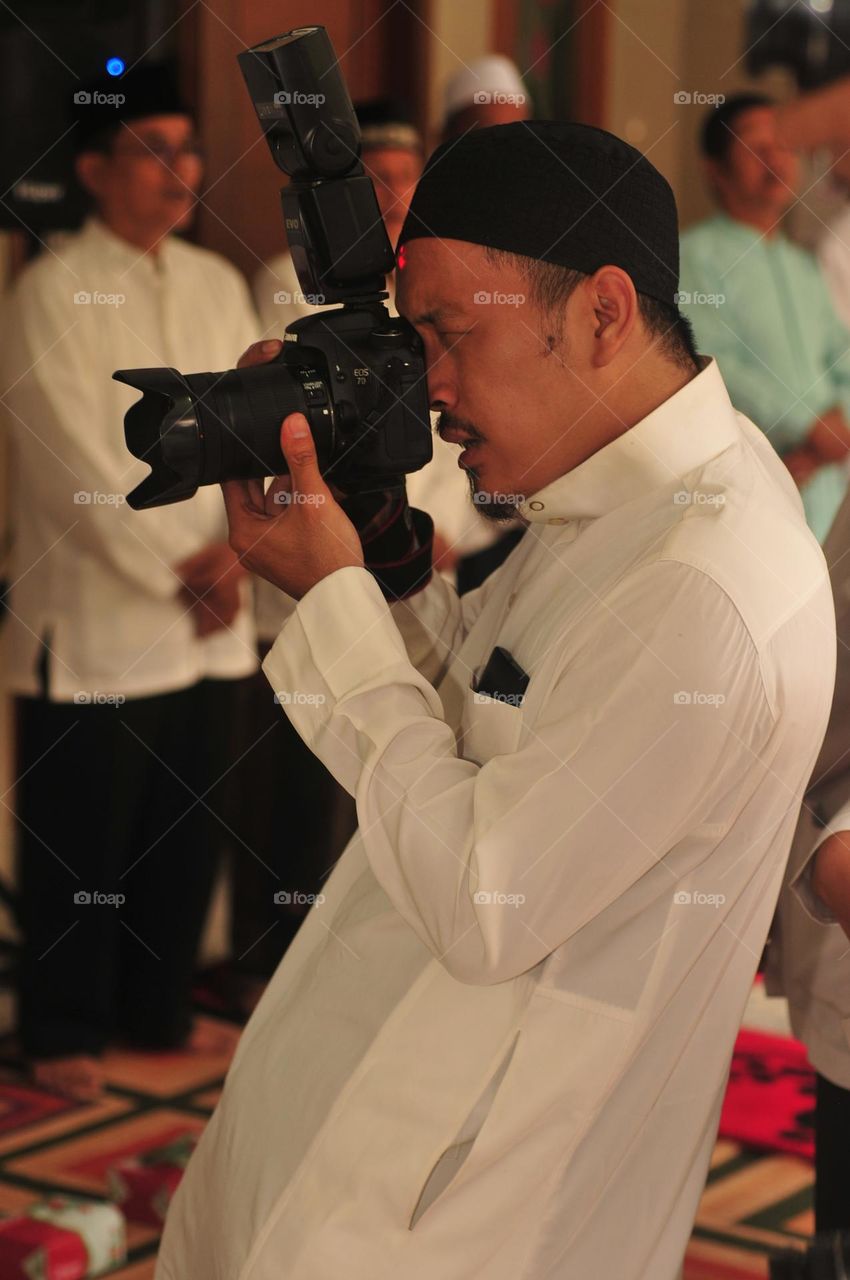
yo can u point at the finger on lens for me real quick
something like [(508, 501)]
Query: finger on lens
[(259, 353)]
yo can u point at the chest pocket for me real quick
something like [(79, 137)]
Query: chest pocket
[(490, 727)]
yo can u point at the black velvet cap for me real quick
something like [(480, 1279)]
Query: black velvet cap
[(564, 193), (100, 106)]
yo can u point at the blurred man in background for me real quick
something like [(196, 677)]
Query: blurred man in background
[(489, 91), (128, 635), (760, 305)]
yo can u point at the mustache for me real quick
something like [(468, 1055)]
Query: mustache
[(448, 420)]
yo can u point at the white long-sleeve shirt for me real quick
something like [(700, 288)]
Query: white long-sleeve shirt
[(498, 1047), (809, 956), (90, 576)]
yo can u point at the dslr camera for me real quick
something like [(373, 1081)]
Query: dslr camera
[(355, 372)]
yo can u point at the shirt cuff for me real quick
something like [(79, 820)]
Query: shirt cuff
[(341, 632), (340, 643)]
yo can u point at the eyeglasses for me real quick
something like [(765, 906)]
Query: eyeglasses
[(162, 151)]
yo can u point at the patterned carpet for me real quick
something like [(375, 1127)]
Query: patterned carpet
[(752, 1203), (48, 1144)]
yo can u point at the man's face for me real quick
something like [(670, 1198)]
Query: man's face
[(759, 172), (508, 389), (395, 172), (150, 177)]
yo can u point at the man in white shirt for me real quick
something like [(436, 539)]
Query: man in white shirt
[(485, 92), (809, 958), (498, 1047), (128, 632)]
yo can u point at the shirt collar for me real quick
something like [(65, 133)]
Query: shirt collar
[(694, 425)]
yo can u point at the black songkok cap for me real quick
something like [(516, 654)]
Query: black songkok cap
[(564, 193), (102, 105)]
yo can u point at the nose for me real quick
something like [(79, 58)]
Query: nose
[(442, 395)]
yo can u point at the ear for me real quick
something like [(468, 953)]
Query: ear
[(615, 308), (89, 169)]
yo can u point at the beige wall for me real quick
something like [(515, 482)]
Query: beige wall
[(462, 31), (679, 46)]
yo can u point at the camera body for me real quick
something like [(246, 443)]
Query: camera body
[(355, 372)]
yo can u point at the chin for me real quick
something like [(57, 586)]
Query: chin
[(497, 505)]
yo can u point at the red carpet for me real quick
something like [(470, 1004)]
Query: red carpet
[(770, 1098)]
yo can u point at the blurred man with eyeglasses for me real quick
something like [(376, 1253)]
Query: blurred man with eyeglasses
[(129, 634)]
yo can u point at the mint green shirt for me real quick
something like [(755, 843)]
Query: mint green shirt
[(761, 307)]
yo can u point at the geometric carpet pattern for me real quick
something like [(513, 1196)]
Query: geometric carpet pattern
[(753, 1203), (49, 1144)]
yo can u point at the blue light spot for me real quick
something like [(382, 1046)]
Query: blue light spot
[(115, 66)]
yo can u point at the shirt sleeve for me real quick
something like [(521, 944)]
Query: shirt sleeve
[(801, 881), (647, 731), (754, 388), (55, 419)]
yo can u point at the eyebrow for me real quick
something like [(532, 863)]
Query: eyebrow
[(436, 315)]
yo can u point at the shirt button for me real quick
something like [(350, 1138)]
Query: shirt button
[(558, 520), (537, 506)]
